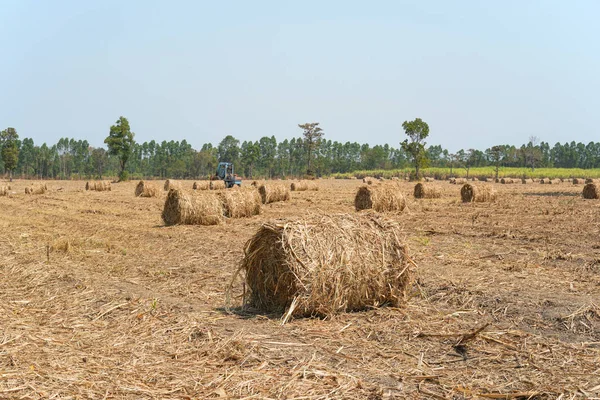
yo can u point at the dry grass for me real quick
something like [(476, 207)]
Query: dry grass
[(477, 193), (98, 186), (240, 203), (217, 185), (273, 192), (590, 191), (325, 265), (201, 185), (381, 198), (303, 185), (146, 189), (422, 191), (183, 209)]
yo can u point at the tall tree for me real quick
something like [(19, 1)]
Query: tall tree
[(532, 152), (9, 149), (120, 143), (417, 131), (312, 136)]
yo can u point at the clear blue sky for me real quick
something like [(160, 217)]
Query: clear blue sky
[(479, 72)]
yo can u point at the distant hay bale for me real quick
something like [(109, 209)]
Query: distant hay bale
[(303, 186), (477, 194), (589, 180), (217, 185), (369, 180), (590, 191), (171, 184), (326, 265), (240, 203), (4, 190), (426, 192), (181, 209), (273, 192), (380, 198), (545, 181), (524, 181), (503, 180), (429, 179), (36, 189), (98, 186), (474, 179), (201, 185), (146, 189), (578, 181)]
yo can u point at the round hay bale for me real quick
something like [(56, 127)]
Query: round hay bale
[(88, 185), (4, 190), (303, 186), (589, 180), (478, 194), (368, 180), (27, 190), (146, 189), (171, 184), (524, 181), (273, 192), (240, 203), (590, 191), (217, 185), (201, 185), (578, 181), (325, 265), (380, 198), (426, 192), (181, 209), (503, 181)]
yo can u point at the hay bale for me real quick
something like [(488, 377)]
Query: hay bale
[(146, 189), (171, 184), (272, 192), (201, 185), (303, 186), (240, 203), (98, 186), (368, 180), (4, 190), (503, 181), (326, 265), (426, 192), (217, 185), (478, 194), (35, 189), (590, 191), (524, 181), (380, 198), (578, 181), (181, 209), (589, 180)]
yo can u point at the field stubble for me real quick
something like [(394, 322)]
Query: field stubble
[(98, 299)]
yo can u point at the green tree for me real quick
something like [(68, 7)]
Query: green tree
[(312, 137), (416, 131), (120, 143), (229, 149), (9, 149)]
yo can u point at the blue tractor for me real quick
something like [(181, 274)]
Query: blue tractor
[(225, 173)]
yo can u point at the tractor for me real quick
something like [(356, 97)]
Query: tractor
[(225, 173)]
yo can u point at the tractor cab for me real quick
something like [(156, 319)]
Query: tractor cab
[(226, 174)]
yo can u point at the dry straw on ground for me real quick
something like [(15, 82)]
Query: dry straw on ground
[(182, 209), (426, 192), (477, 193), (171, 184), (326, 265), (303, 186), (98, 186), (590, 191), (240, 203), (217, 185), (201, 185), (146, 189), (273, 192), (386, 197)]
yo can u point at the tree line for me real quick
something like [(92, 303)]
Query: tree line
[(309, 153)]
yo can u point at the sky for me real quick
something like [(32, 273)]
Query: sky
[(479, 73)]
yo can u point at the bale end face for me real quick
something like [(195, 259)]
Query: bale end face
[(590, 191), (381, 198)]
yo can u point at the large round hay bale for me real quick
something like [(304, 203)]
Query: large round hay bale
[(171, 184), (380, 198), (303, 185), (590, 191), (4, 191), (146, 189), (98, 186), (326, 265), (181, 209), (478, 194), (240, 203), (217, 185), (201, 185), (273, 192), (426, 192), (35, 189)]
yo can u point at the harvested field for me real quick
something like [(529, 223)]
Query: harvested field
[(99, 299)]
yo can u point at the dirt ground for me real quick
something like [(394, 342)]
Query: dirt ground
[(99, 300)]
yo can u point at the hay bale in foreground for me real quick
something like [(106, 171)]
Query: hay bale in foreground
[(426, 192), (271, 193), (201, 185), (181, 209), (477, 194), (380, 198), (590, 191), (146, 189), (240, 203), (171, 184), (217, 185), (326, 265), (98, 186), (303, 186)]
